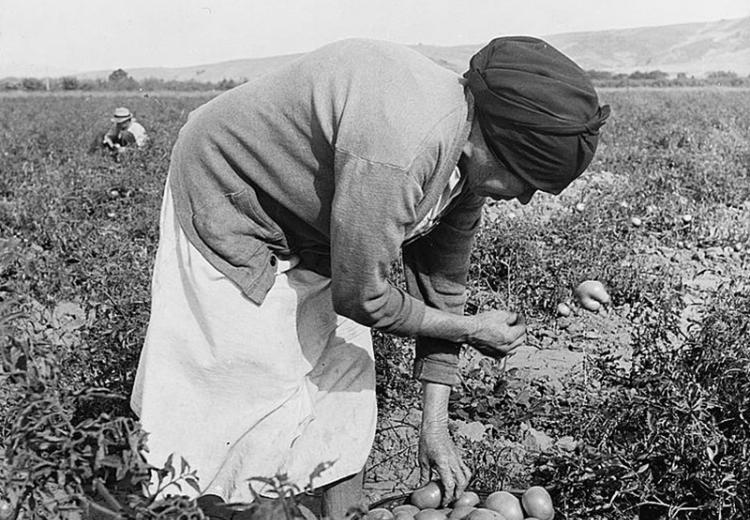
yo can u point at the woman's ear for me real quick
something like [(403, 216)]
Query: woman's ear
[(468, 147), (475, 139)]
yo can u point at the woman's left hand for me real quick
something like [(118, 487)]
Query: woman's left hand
[(438, 452), (436, 449)]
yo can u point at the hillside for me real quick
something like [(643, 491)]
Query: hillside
[(695, 49)]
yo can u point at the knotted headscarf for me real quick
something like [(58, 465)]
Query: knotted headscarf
[(537, 109)]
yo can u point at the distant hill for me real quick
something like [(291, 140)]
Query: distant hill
[(695, 49)]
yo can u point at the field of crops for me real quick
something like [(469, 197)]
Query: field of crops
[(639, 411)]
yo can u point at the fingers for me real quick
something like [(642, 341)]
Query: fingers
[(516, 343), (514, 338), (455, 477), (463, 478), (515, 319), (516, 327), (449, 484), (425, 472), (441, 454), (515, 334)]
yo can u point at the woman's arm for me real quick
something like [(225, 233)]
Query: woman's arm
[(436, 449)]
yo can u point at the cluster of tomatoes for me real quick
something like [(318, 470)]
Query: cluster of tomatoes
[(424, 504)]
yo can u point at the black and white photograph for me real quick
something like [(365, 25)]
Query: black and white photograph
[(374, 260)]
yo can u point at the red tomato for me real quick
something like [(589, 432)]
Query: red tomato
[(428, 496), (467, 498), (506, 504), (537, 503), (379, 513), (563, 309), (430, 514), (481, 513), (6, 509), (405, 508), (460, 512)]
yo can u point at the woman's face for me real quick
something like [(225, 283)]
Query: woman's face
[(486, 176)]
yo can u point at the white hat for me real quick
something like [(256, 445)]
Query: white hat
[(121, 115)]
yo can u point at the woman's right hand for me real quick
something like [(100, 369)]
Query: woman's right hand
[(497, 333)]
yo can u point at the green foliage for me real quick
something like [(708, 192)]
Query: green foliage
[(33, 84), (393, 361), (70, 83), (79, 235), (54, 464), (672, 436)]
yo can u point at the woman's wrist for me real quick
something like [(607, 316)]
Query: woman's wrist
[(444, 325), (435, 398)]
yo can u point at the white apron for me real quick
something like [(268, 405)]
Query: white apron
[(241, 390)]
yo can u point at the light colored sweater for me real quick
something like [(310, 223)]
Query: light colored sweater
[(335, 158)]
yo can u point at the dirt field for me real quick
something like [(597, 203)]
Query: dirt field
[(638, 411)]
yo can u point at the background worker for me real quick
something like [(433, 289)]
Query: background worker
[(125, 132), (287, 201)]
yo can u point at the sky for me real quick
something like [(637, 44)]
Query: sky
[(55, 37)]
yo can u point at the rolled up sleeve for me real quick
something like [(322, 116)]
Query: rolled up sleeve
[(436, 268)]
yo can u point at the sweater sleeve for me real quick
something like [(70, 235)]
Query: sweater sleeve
[(372, 206), (436, 268)]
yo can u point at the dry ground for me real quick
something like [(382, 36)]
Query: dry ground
[(558, 352)]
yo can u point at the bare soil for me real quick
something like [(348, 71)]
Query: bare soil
[(560, 351)]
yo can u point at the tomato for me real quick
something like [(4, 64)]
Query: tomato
[(506, 504), (6, 510), (405, 508), (592, 294), (563, 309), (467, 498), (460, 512), (537, 503), (481, 513), (379, 513), (430, 514), (428, 496)]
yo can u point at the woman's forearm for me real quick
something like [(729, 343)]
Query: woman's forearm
[(445, 325), (435, 398), (494, 333)]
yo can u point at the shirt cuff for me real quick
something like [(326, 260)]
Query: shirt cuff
[(437, 361)]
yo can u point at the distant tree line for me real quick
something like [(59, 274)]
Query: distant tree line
[(658, 78), (120, 80)]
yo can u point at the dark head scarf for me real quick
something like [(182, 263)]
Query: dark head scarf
[(538, 111)]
